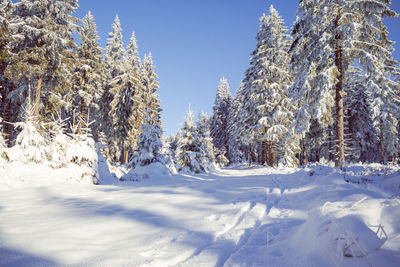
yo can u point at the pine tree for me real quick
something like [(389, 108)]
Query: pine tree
[(236, 152), (6, 86), (114, 63), (206, 156), (270, 86), (113, 60), (363, 143), (44, 51), (89, 73), (188, 152), (168, 152), (81, 151), (149, 144), (330, 36), (30, 145), (58, 149), (127, 107), (250, 113), (220, 120), (151, 103)]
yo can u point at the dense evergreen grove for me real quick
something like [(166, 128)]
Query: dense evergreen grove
[(328, 90), (52, 87)]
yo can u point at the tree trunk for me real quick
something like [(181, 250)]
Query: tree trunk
[(381, 143), (303, 154), (81, 116), (271, 154), (263, 152), (126, 154), (6, 117), (250, 155), (339, 100), (330, 144), (37, 98)]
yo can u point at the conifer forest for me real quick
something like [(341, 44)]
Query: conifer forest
[(314, 122)]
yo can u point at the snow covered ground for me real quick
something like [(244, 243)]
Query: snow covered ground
[(232, 217)]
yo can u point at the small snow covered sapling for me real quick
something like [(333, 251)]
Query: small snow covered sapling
[(149, 146), (82, 152), (169, 154), (194, 148), (59, 145), (30, 144)]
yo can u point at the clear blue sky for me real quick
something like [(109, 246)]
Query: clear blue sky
[(195, 43)]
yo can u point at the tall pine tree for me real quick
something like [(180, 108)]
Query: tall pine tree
[(220, 120), (149, 145), (269, 89), (114, 64), (329, 37), (89, 73), (44, 52), (127, 107)]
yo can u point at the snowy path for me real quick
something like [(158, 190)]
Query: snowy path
[(235, 217)]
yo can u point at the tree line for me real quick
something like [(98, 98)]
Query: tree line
[(327, 91), (111, 95)]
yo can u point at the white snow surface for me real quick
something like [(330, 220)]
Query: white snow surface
[(232, 217)]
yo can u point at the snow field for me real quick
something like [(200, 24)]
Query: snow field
[(233, 217)]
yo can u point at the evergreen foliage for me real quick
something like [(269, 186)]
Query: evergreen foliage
[(30, 146), (43, 52), (149, 146), (220, 120), (190, 151), (152, 107), (330, 36), (89, 73), (206, 156), (127, 107), (113, 59)]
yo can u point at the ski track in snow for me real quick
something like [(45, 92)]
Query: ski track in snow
[(233, 217)]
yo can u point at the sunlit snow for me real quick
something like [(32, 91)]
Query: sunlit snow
[(233, 217)]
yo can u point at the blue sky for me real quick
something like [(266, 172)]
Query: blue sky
[(195, 43)]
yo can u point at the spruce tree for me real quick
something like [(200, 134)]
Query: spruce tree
[(363, 143), (206, 148), (114, 64), (127, 107), (30, 145), (113, 60), (168, 152), (220, 120), (269, 89), (151, 103), (250, 114), (328, 37), (44, 52), (6, 86), (89, 73), (149, 144), (188, 146), (236, 147)]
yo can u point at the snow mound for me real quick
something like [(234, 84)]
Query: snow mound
[(392, 182), (20, 175), (330, 238), (154, 171)]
